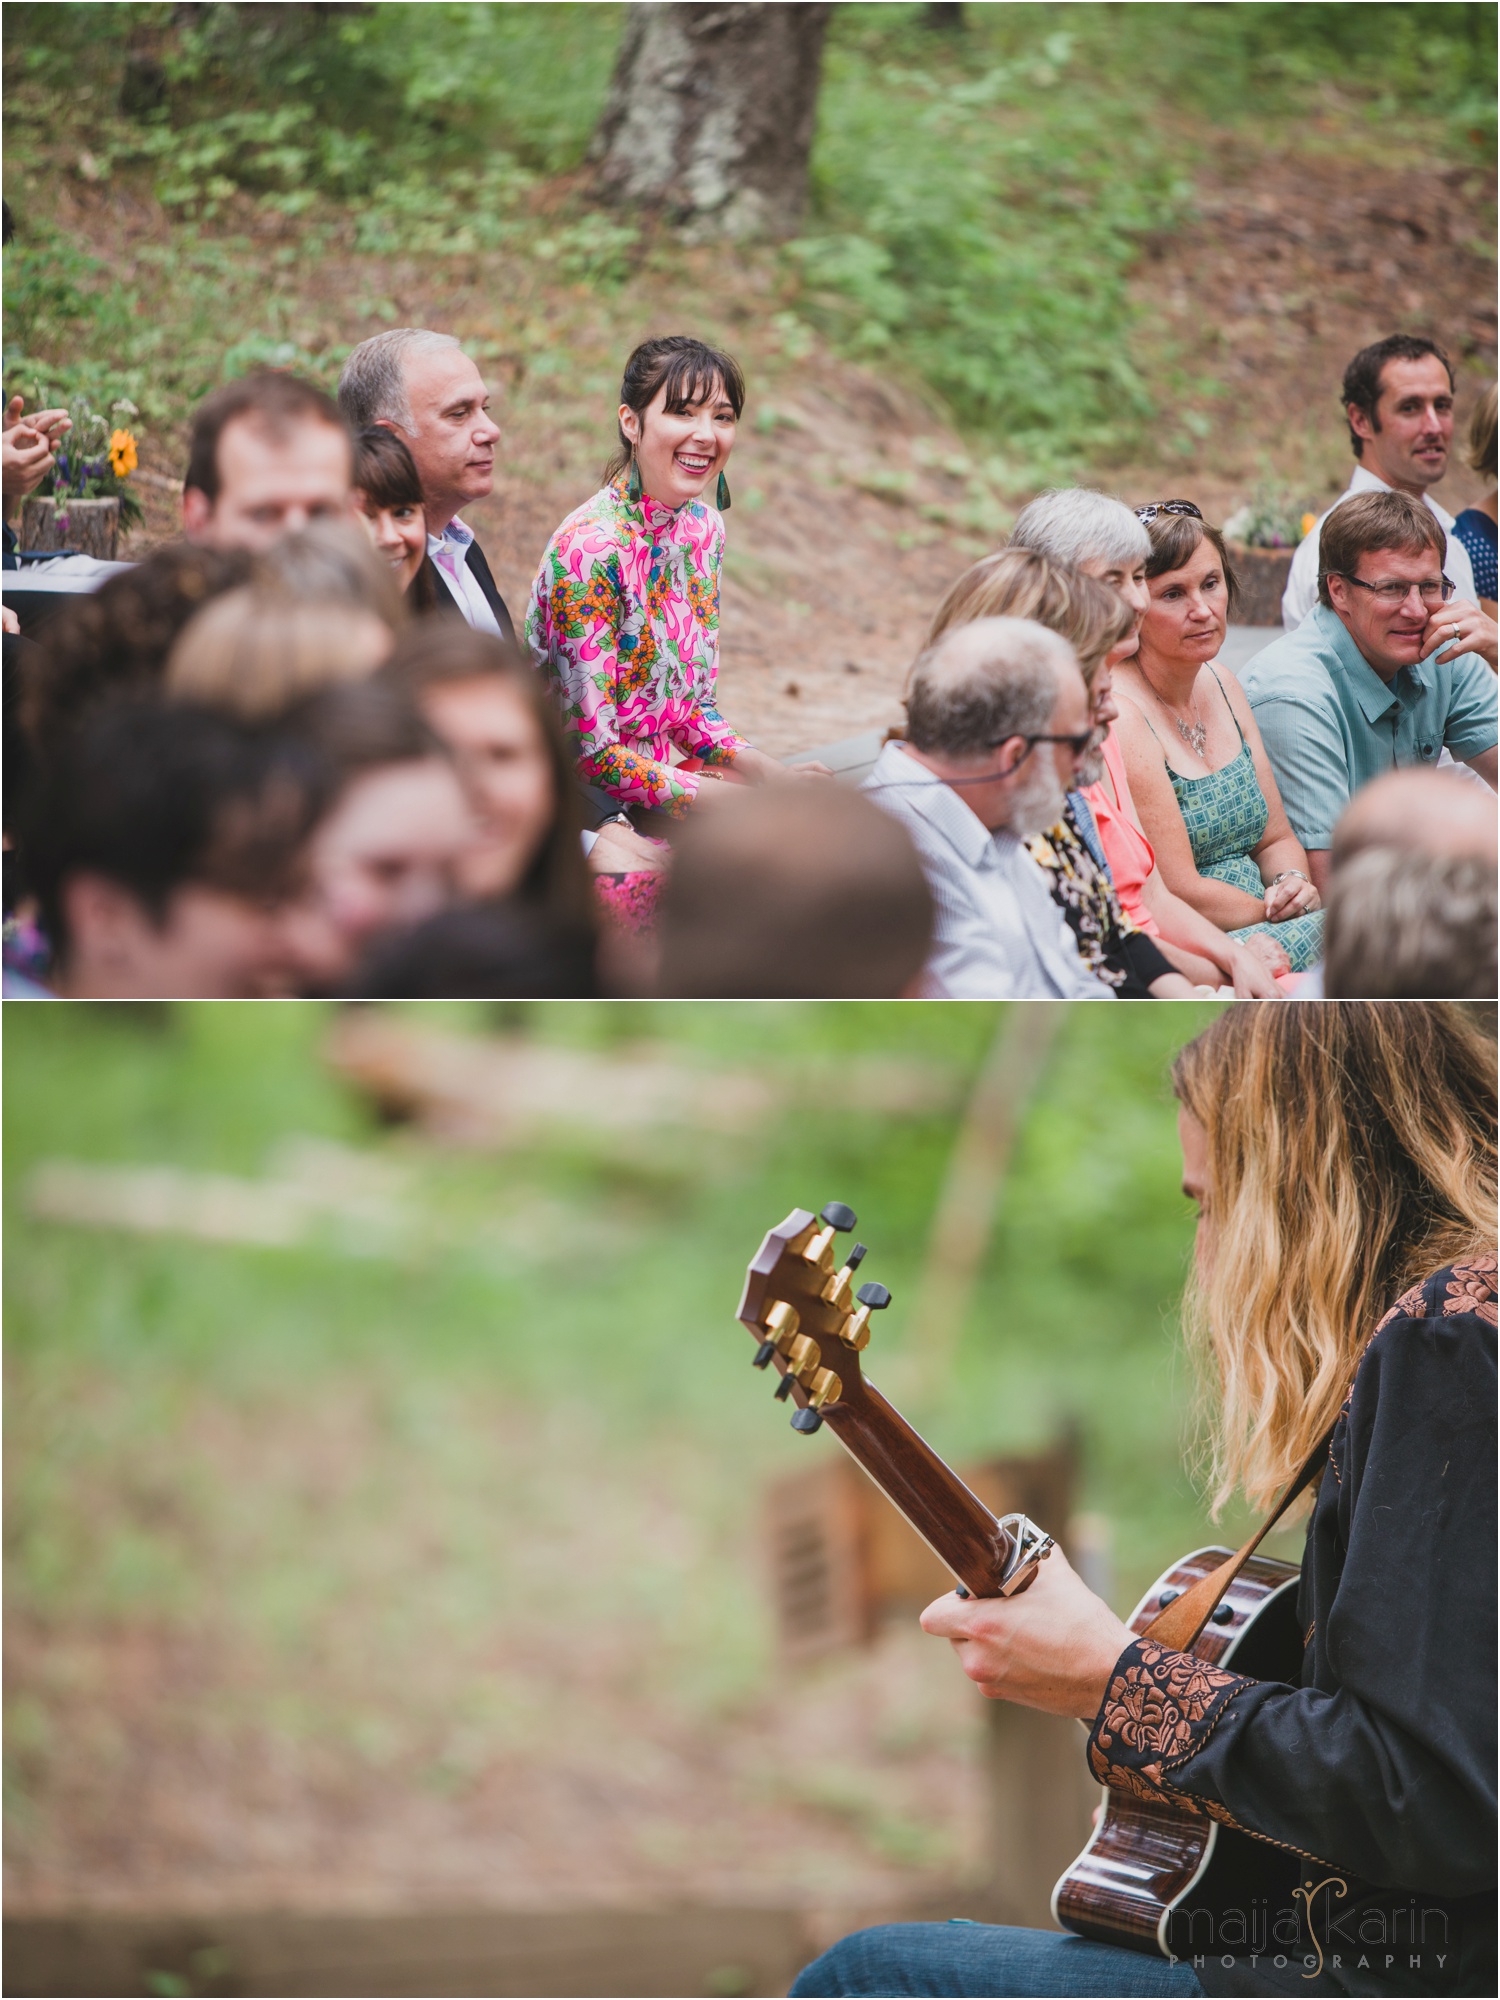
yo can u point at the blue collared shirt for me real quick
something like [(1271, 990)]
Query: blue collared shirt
[(997, 933), (1331, 723)]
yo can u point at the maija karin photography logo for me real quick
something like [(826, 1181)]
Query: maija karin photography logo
[(1312, 1928)]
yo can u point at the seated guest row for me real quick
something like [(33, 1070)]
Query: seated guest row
[(1088, 787)]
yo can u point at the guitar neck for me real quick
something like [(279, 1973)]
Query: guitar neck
[(956, 1525)]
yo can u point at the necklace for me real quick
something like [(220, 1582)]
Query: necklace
[(1193, 734)]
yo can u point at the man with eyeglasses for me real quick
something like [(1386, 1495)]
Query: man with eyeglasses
[(997, 727), (1398, 404), (1388, 669)]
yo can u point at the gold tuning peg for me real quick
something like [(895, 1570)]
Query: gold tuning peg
[(819, 1249), (824, 1388), (802, 1357), (839, 1290), (782, 1322), (856, 1329)]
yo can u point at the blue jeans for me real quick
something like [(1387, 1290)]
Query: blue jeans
[(989, 1959)]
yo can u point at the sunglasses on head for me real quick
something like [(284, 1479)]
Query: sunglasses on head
[(1146, 515)]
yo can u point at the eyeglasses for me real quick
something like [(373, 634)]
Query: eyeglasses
[(1077, 744), (1393, 594), (1146, 515)]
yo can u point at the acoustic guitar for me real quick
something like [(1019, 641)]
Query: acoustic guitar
[(1152, 1878)]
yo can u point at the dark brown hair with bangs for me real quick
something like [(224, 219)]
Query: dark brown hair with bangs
[(1173, 539), (687, 369)]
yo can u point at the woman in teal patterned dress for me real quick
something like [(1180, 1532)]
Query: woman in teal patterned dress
[(1202, 782)]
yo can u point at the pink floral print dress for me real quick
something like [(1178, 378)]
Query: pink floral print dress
[(623, 625)]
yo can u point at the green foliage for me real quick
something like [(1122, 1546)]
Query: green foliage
[(992, 244), (978, 199)]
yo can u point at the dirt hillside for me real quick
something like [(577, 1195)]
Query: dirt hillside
[(856, 503)]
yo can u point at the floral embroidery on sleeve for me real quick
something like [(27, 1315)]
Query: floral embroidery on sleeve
[(1160, 1707), (623, 625)]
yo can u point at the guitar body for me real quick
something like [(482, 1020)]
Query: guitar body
[(1156, 1879)]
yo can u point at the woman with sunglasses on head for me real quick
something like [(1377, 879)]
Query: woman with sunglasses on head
[(1096, 622), (1198, 770), (623, 622)]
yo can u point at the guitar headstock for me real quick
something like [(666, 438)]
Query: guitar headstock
[(808, 1312)]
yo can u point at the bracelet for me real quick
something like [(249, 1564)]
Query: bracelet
[(1287, 874)]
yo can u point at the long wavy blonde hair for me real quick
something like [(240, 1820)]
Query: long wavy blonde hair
[(1351, 1152)]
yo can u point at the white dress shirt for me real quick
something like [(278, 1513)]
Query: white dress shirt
[(997, 933), (450, 556), (1301, 592)]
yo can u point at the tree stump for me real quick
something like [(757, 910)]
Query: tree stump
[(710, 115), (90, 527), (1262, 574)]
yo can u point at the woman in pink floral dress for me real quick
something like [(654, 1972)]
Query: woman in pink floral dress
[(623, 622)]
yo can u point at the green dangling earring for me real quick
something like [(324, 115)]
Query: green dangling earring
[(723, 499), (633, 486)]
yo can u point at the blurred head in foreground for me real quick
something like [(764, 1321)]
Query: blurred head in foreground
[(115, 640), (399, 839), (481, 951), (797, 892), (1341, 1152), (1412, 891), (321, 608), (163, 845), (488, 706), (268, 454)]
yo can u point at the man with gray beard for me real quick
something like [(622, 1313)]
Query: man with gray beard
[(997, 729)]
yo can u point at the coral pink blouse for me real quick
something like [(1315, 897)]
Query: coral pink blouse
[(1130, 855)]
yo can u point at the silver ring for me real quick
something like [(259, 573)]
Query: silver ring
[(1453, 631)]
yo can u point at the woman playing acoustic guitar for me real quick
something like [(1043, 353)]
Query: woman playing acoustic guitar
[(1342, 1157)]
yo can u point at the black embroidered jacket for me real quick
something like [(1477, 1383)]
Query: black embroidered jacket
[(1377, 1771)]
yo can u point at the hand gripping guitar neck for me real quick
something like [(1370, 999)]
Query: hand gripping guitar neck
[(812, 1326)]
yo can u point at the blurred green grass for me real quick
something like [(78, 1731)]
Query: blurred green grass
[(620, 1311), (372, 1486)]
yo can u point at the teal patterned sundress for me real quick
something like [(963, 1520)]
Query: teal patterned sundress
[(1225, 814)]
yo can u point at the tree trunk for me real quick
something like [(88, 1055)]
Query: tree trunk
[(710, 115)]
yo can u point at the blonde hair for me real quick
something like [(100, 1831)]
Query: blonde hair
[(1351, 1152), (320, 608), (1020, 583)]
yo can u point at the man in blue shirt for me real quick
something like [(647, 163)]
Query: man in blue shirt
[(1381, 673)]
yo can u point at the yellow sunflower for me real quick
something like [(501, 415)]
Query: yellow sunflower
[(122, 454)]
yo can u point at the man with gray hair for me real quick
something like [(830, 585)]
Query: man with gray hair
[(997, 726), (424, 387)]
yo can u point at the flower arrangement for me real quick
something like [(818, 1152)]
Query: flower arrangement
[(1270, 519), (94, 460)]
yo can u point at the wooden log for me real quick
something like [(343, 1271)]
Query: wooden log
[(1262, 575), (91, 527)]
